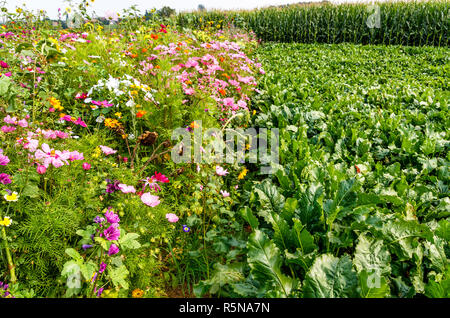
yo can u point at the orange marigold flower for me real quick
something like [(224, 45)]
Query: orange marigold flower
[(137, 293), (140, 113)]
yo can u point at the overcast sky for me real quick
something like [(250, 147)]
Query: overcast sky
[(101, 6)]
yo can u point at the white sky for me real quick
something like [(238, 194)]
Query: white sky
[(101, 6)]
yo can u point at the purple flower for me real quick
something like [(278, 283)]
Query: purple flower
[(86, 246), (113, 249), (113, 187), (4, 160), (94, 277), (98, 219), (186, 228), (102, 267), (99, 292), (111, 217), (112, 233), (5, 178)]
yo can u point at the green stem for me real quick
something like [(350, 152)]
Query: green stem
[(11, 266)]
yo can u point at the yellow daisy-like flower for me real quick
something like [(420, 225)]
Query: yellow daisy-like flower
[(118, 115), (56, 103), (242, 174), (11, 197), (137, 293), (111, 123), (6, 221)]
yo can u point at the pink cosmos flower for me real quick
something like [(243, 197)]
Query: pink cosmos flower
[(31, 145), (102, 103), (51, 156), (3, 64), (4, 160), (150, 200), (41, 169), (86, 166), (221, 171), (81, 96), (10, 120), (152, 181), (126, 188), (111, 15), (80, 122), (7, 129), (224, 193), (75, 155), (107, 151), (22, 123), (172, 218)]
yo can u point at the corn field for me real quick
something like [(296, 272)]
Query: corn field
[(401, 23)]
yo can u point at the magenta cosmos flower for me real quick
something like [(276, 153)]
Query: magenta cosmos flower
[(49, 156), (152, 181), (102, 103), (4, 160), (150, 200)]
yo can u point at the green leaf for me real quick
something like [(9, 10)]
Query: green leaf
[(436, 253), (88, 270), (5, 83), (373, 285), (310, 208), (372, 255), (128, 241), (283, 236), (248, 216), (31, 190), (103, 243), (118, 276), (74, 254), (265, 261), (70, 268), (331, 277)]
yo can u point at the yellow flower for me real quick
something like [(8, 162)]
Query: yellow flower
[(6, 221), (56, 104), (111, 123), (242, 174), (137, 293), (11, 197), (118, 115)]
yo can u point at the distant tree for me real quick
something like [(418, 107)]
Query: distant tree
[(201, 7), (166, 11)]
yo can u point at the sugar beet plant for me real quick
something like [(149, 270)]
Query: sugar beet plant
[(358, 206)]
